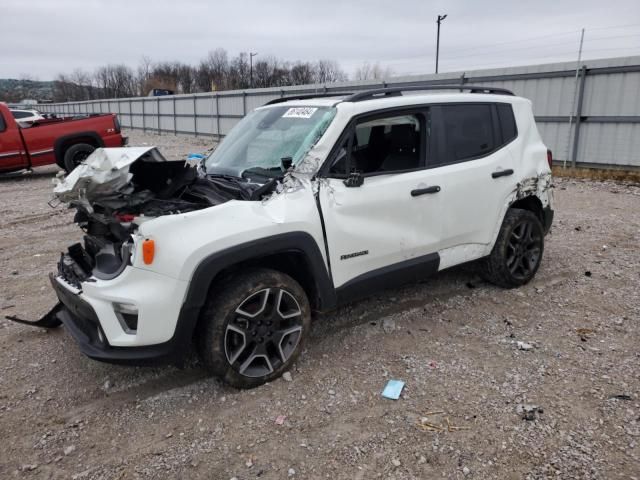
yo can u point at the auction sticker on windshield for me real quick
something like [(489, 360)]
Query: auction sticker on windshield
[(299, 112)]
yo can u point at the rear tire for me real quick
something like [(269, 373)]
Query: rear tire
[(252, 330), (517, 253), (76, 154)]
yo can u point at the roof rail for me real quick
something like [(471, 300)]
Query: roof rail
[(396, 91), (307, 97)]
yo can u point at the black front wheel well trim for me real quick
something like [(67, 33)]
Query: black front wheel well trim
[(296, 253), (294, 263), (63, 143)]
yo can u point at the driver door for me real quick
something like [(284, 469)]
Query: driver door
[(382, 224)]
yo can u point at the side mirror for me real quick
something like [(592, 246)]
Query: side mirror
[(286, 163), (355, 179)]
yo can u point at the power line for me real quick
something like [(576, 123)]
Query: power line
[(518, 41), (561, 56), (529, 39), (511, 50), (615, 26)]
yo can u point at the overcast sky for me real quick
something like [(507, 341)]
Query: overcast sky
[(41, 38)]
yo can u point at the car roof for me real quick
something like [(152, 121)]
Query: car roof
[(407, 99), (309, 102)]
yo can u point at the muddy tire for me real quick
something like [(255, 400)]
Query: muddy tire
[(517, 253), (76, 154), (252, 331)]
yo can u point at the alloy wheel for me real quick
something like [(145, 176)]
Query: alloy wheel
[(263, 333), (524, 250)]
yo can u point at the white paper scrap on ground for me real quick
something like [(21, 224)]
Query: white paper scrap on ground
[(393, 389)]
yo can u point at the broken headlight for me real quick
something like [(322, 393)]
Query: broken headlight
[(128, 251)]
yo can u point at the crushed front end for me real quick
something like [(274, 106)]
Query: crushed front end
[(116, 311)]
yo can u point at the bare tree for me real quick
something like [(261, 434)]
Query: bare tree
[(115, 81), (186, 78), (329, 71), (372, 72), (214, 72), (239, 72), (144, 75), (74, 87), (270, 72), (302, 73)]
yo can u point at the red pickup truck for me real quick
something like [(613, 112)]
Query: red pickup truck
[(65, 141)]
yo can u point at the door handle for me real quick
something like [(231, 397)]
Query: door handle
[(502, 173), (423, 191)]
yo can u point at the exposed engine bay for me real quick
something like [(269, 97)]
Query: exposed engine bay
[(117, 189)]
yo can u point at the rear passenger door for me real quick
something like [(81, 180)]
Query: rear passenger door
[(473, 165)]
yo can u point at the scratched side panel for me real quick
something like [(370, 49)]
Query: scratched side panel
[(379, 217)]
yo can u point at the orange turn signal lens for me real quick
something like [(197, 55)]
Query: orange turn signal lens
[(148, 251)]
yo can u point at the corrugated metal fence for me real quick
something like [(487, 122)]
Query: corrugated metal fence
[(590, 117)]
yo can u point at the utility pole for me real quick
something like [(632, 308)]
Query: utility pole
[(251, 55), (440, 19), (573, 103)]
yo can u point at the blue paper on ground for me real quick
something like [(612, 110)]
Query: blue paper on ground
[(393, 389)]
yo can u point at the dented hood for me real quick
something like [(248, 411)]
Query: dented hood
[(103, 173)]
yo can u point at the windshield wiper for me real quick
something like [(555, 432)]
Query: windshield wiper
[(273, 172), (224, 176)]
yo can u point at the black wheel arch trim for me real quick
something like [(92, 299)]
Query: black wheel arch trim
[(209, 268), (59, 147)]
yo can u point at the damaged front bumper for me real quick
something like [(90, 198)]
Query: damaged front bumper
[(91, 317)]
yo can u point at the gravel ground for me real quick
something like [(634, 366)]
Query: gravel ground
[(452, 339)]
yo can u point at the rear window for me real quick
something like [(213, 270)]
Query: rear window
[(507, 122)]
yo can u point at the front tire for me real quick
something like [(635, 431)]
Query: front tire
[(517, 253), (76, 154), (252, 331)]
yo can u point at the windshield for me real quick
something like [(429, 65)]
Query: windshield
[(265, 141)]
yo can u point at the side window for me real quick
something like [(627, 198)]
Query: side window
[(507, 122), (3, 126), (464, 132), (383, 145), (18, 115)]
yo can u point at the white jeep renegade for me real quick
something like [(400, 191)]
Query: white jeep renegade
[(307, 204)]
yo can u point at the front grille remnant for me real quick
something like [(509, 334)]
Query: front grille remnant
[(70, 271)]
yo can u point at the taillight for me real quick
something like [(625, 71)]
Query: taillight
[(549, 158), (116, 123)]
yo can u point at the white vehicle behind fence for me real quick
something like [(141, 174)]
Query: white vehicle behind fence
[(26, 116)]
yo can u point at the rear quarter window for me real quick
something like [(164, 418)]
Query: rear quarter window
[(507, 120)]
